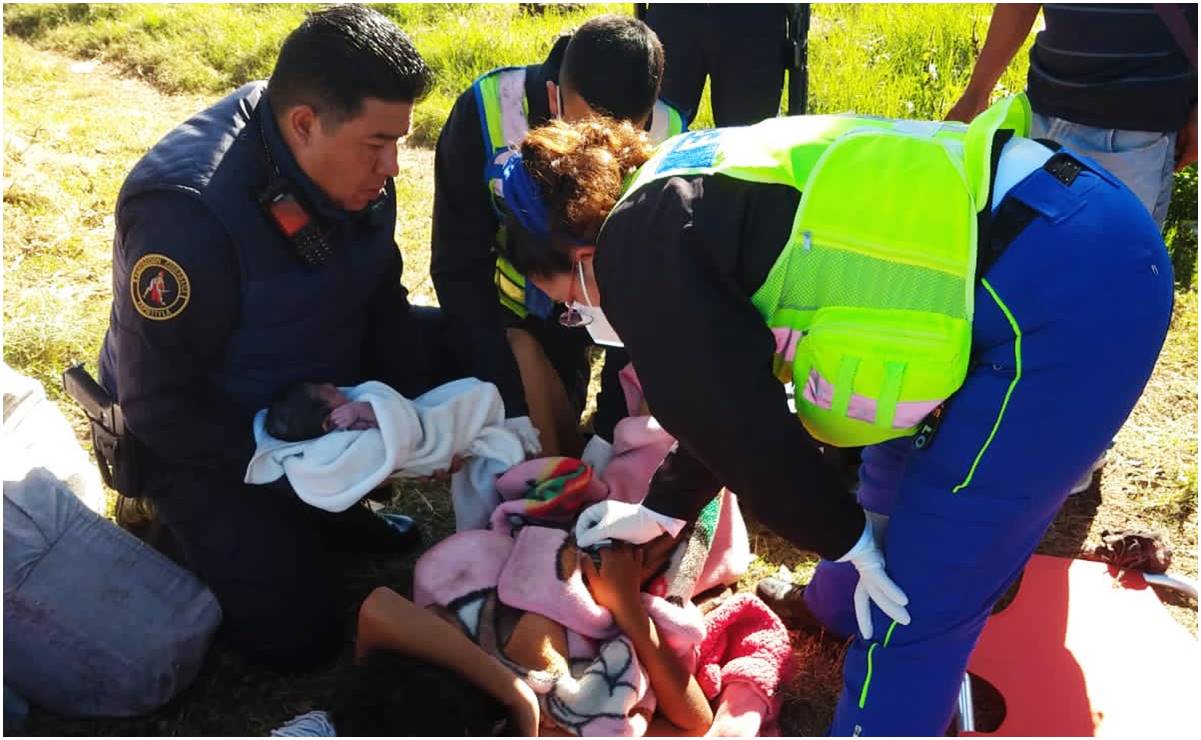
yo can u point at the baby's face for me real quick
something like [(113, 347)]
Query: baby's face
[(332, 397)]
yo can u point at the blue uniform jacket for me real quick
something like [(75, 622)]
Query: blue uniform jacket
[(213, 314)]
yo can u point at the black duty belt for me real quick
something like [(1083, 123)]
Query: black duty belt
[(1013, 216), (115, 448)]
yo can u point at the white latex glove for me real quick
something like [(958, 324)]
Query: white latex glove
[(618, 520), (525, 431), (874, 584), (597, 454)]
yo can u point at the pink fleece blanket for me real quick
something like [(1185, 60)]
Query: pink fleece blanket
[(542, 575), (527, 564), (542, 496), (639, 446), (745, 644)]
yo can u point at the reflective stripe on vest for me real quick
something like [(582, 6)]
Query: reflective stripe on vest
[(504, 118), (504, 121), (666, 122), (871, 299)]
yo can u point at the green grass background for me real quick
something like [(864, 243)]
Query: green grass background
[(904, 60)]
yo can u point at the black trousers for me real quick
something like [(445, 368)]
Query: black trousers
[(270, 559), (740, 47)]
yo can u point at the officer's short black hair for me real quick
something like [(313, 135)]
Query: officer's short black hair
[(615, 63), (298, 413), (341, 55)]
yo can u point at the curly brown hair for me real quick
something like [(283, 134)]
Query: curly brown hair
[(580, 168)]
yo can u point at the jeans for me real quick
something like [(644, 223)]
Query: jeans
[(96, 623), (1143, 160)]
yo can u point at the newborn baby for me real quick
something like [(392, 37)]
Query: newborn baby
[(308, 410)]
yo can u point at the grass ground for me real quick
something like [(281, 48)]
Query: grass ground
[(896, 59), (230, 44), (64, 158)]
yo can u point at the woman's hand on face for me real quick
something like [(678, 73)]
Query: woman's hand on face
[(655, 553), (615, 585)]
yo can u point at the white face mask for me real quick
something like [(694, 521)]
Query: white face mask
[(599, 328)]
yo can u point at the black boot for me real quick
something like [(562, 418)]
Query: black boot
[(139, 517)]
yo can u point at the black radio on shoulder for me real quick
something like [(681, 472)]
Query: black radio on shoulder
[(284, 208)]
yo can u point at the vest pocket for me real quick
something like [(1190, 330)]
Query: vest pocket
[(867, 375)]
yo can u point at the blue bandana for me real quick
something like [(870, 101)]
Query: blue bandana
[(523, 198)]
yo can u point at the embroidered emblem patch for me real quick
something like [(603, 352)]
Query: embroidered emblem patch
[(159, 287)]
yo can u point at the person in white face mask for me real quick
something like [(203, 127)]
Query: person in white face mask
[(590, 316), (525, 222), (529, 232), (933, 296), (612, 63)]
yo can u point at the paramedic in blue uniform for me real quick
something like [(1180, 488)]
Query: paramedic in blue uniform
[(1073, 297), (216, 309), (613, 64)]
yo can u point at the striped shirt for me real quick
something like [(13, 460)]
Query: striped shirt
[(1112, 66)]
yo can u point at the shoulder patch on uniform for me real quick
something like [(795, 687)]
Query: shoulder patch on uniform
[(159, 287)]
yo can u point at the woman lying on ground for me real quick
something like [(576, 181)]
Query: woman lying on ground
[(420, 675)]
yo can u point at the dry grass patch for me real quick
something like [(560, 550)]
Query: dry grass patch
[(71, 133)]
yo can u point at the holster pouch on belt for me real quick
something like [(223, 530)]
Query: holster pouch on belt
[(116, 450)]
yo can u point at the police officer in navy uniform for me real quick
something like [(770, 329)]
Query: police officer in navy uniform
[(612, 64), (254, 248)]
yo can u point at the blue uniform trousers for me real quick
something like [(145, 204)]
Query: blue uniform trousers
[(1069, 322)]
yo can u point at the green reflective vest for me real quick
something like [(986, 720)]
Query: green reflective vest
[(871, 299), (504, 120)]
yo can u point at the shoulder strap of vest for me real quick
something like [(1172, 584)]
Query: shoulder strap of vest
[(1013, 114), (500, 99), (666, 122)]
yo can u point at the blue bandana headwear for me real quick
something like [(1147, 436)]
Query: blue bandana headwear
[(523, 198)]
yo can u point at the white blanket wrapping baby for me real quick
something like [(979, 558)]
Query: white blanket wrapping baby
[(415, 439)]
